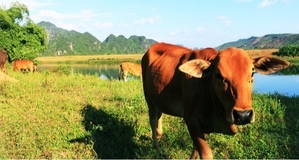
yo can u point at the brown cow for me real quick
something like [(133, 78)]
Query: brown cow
[(24, 65), (3, 59), (210, 90), (126, 68)]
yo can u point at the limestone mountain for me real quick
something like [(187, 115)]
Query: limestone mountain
[(64, 42), (264, 42)]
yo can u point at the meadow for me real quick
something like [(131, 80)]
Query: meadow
[(67, 115)]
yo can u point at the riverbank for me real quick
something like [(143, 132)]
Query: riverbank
[(117, 58)]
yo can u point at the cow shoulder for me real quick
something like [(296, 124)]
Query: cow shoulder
[(268, 65), (163, 60)]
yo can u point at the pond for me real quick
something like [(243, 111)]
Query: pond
[(280, 83)]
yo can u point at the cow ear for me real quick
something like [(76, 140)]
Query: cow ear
[(268, 65), (194, 67)]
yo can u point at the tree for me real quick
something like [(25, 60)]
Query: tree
[(20, 37)]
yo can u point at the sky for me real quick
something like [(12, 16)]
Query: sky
[(192, 23)]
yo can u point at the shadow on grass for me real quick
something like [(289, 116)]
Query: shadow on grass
[(292, 124), (111, 137)]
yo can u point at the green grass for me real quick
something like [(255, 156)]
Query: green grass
[(67, 115)]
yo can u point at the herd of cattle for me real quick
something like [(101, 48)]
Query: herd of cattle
[(22, 65), (210, 90)]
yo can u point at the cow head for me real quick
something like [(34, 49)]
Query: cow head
[(232, 79)]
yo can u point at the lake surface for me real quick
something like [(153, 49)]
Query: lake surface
[(283, 84)]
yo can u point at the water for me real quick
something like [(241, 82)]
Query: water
[(283, 84)]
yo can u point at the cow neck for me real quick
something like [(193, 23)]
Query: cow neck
[(215, 106)]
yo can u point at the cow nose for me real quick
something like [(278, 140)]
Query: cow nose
[(242, 117)]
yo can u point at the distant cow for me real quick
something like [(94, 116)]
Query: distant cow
[(3, 59), (210, 90), (24, 66), (126, 68)]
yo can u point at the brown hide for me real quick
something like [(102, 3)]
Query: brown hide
[(210, 90), (3, 59), (126, 68), (24, 65)]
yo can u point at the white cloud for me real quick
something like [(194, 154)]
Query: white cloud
[(103, 25), (31, 4), (267, 3), (55, 17), (200, 29), (176, 33), (51, 15), (67, 26), (226, 20), (150, 20), (87, 15)]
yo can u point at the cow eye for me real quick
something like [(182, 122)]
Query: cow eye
[(253, 72)]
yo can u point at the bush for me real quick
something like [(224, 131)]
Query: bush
[(290, 50)]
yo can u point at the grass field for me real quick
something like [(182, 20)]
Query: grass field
[(64, 115), (90, 59)]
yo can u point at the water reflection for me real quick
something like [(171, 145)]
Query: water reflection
[(282, 82)]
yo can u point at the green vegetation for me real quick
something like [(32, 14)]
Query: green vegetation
[(290, 51), (62, 114), (64, 42), (20, 37)]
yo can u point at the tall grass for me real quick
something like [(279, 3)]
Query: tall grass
[(68, 115)]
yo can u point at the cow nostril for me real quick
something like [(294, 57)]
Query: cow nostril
[(242, 117)]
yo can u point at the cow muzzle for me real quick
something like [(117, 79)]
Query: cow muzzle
[(243, 117)]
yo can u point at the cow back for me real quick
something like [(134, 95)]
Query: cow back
[(160, 63), (24, 65)]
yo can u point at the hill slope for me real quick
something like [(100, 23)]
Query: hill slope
[(264, 42), (64, 42)]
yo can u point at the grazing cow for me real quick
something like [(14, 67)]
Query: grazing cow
[(3, 59), (210, 90), (24, 65), (131, 68)]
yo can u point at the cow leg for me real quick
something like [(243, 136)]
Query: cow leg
[(156, 126), (194, 154), (125, 73), (200, 144), (31, 69), (120, 74)]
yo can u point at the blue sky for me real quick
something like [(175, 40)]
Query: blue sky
[(192, 23)]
